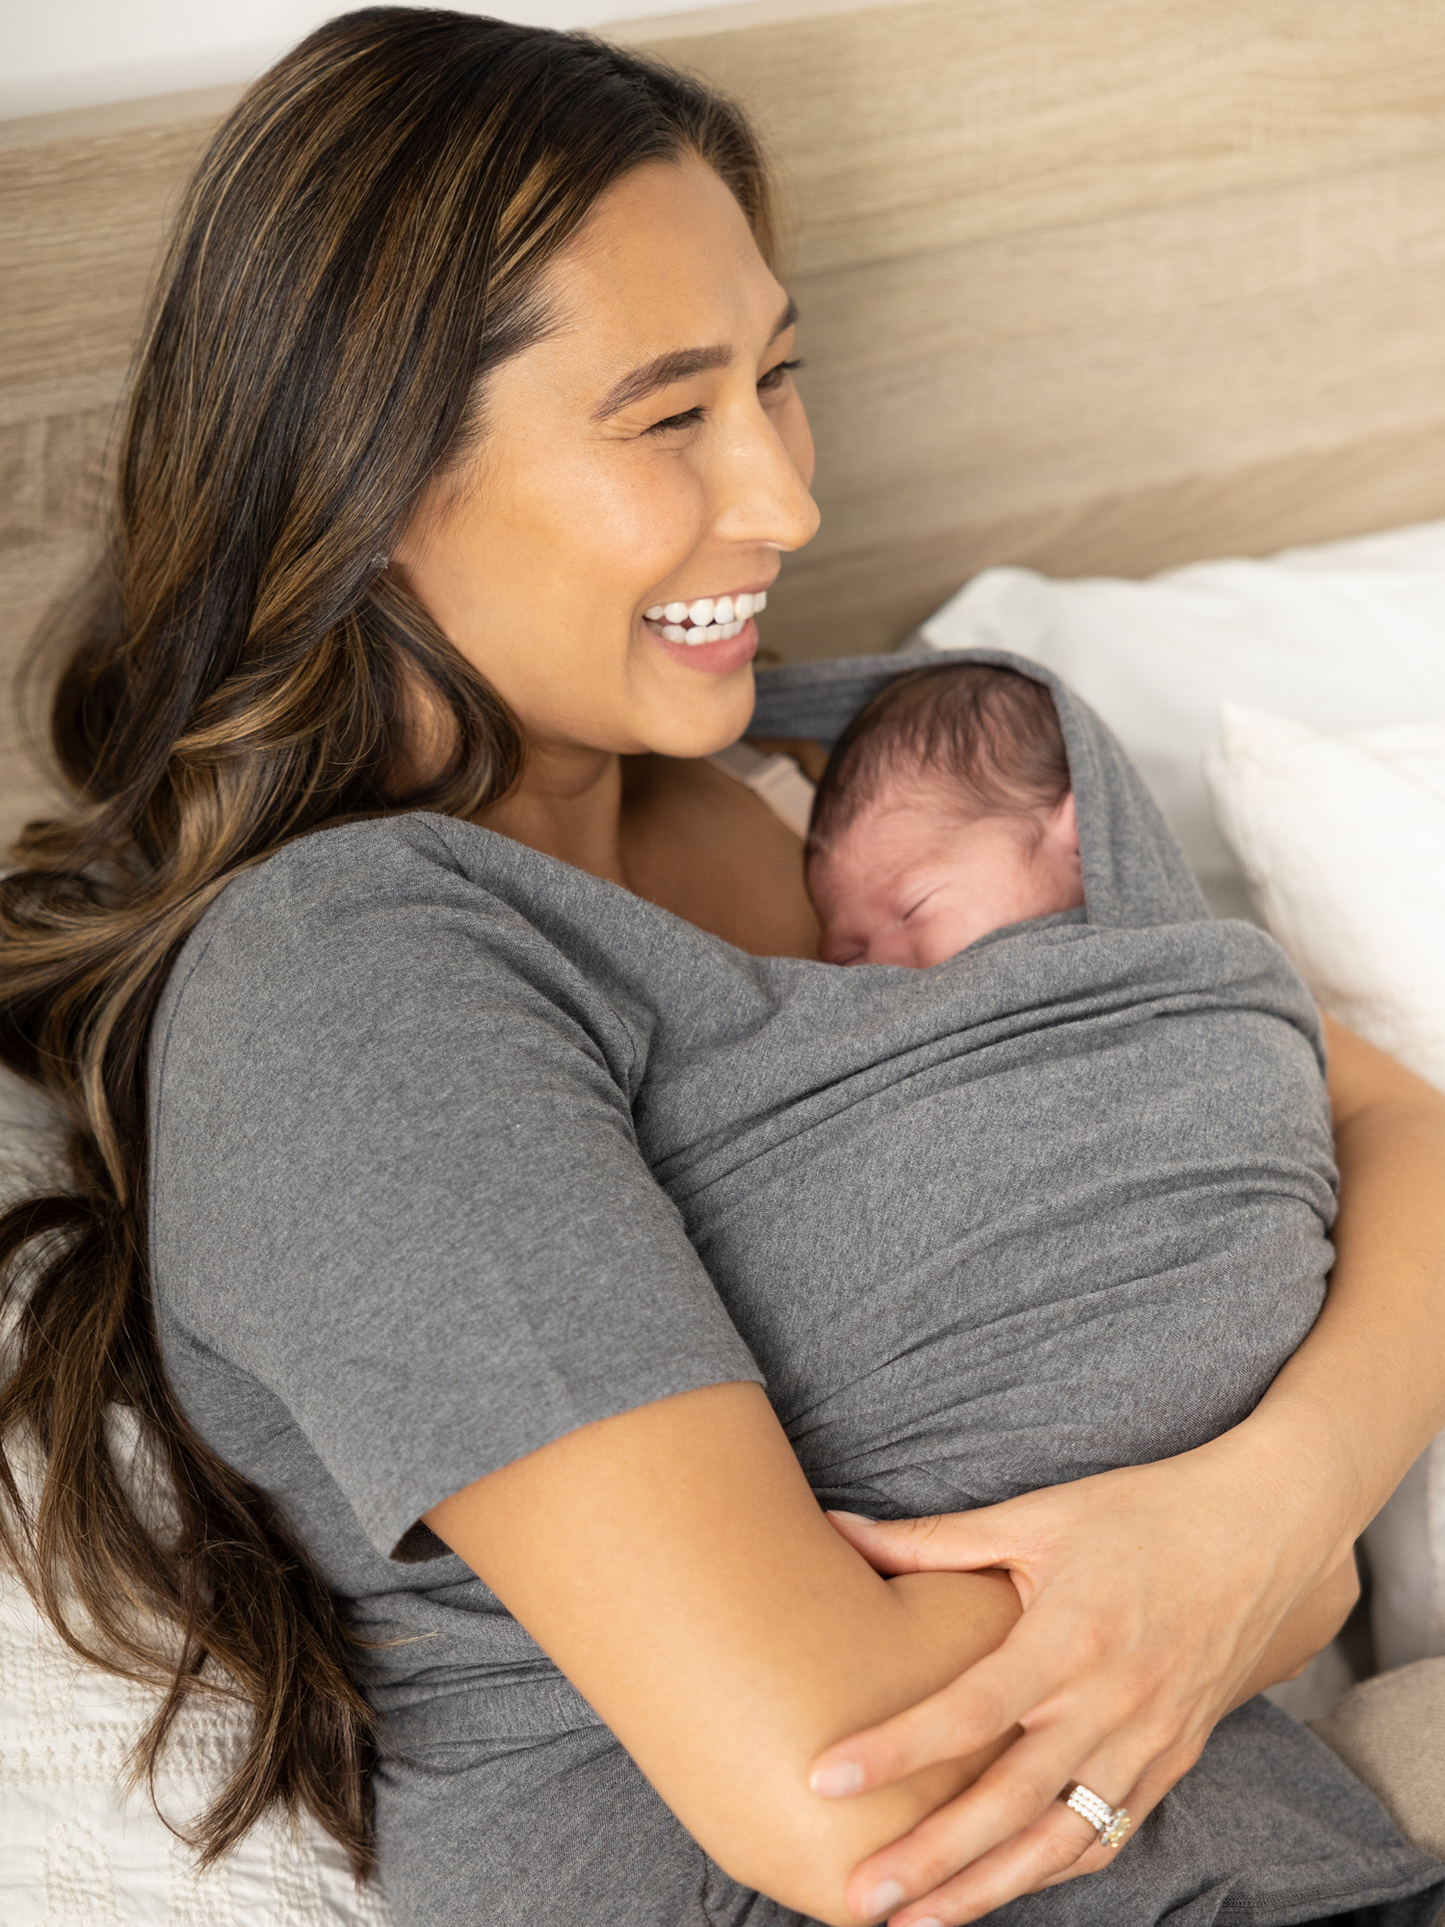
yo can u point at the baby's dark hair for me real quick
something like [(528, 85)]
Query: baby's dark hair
[(991, 735)]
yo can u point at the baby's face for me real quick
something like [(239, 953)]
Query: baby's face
[(911, 884)]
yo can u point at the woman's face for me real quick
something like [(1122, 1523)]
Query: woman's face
[(650, 451)]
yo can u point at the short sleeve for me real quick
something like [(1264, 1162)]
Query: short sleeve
[(395, 1178)]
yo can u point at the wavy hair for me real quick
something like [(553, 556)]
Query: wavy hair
[(362, 245)]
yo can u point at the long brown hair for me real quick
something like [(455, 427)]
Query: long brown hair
[(362, 244)]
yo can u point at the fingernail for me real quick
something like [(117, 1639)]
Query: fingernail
[(836, 1782), (927, 1921), (841, 1512), (885, 1898)]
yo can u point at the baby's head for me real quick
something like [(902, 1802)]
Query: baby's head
[(945, 812)]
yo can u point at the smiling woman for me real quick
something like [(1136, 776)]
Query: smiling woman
[(648, 452), (347, 966)]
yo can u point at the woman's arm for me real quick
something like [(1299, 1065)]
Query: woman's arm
[(1157, 1597), (675, 1565), (1366, 1390)]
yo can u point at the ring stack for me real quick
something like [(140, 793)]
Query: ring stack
[(1111, 1823)]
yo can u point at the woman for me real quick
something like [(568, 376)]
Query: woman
[(467, 357)]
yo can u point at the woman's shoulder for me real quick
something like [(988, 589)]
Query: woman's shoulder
[(400, 881), (354, 926), (369, 863)]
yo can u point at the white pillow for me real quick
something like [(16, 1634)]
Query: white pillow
[(1341, 839), (1405, 1547), (1348, 635), (31, 1140)]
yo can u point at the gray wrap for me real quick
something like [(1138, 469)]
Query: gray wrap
[(457, 1148)]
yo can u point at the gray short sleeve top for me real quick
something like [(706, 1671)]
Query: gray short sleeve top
[(446, 1250)]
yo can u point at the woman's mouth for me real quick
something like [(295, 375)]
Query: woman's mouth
[(709, 619)]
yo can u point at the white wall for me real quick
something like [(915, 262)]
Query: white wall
[(77, 53)]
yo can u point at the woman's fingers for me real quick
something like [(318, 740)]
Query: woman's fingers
[(1151, 1595), (1002, 1806), (1004, 1827), (1046, 1653), (1057, 1846), (959, 1719), (1139, 1802), (940, 1542)]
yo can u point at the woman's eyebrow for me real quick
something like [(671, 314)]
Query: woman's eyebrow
[(660, 372), (677, 365)]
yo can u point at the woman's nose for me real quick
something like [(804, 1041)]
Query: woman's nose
[(764, 496)]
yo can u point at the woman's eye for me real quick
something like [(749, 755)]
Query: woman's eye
[(670, 422), (774, 377)]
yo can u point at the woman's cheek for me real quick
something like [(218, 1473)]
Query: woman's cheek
[(646, 524)]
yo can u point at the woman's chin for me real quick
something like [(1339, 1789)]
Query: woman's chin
[(709, 708)]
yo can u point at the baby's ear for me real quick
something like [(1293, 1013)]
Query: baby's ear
[(1061, 825)]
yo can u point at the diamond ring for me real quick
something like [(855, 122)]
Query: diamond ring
[(1111, 1823)]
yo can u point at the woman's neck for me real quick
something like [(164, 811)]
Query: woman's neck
[(567, 804)]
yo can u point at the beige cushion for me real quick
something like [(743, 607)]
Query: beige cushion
[(1390, 1731)]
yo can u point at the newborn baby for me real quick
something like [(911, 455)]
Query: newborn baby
[(945, 813)]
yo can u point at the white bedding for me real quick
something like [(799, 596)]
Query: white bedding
[(1345, 636)]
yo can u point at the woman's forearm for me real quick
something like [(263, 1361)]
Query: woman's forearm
[(1365, 1393), (675, 1565)]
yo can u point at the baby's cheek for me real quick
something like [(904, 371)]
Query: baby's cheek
[(1065, 892), (941, 938)]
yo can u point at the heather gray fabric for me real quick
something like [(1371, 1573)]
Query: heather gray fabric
[(457, 1148)]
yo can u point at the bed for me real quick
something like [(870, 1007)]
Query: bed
[(1092, 290)]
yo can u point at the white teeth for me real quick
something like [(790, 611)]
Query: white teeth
[(711, 632), (712, 619)]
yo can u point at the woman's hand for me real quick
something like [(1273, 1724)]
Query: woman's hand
[(1156, 1598)]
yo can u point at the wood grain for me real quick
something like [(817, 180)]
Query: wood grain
[(867, 598), (1098, 288), (969, 390), (82, 218), (909, 128)]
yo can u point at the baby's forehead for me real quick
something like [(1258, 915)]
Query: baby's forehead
[(903, 822), (912, 798)]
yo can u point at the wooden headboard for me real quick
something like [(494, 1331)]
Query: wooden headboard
[(1097, 285)]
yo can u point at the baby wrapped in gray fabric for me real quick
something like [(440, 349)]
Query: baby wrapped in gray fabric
[(1064, 1199), (463, 1118)]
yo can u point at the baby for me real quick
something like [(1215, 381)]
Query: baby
[(945, 812)]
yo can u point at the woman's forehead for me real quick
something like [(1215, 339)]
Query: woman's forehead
[(666, 267)]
